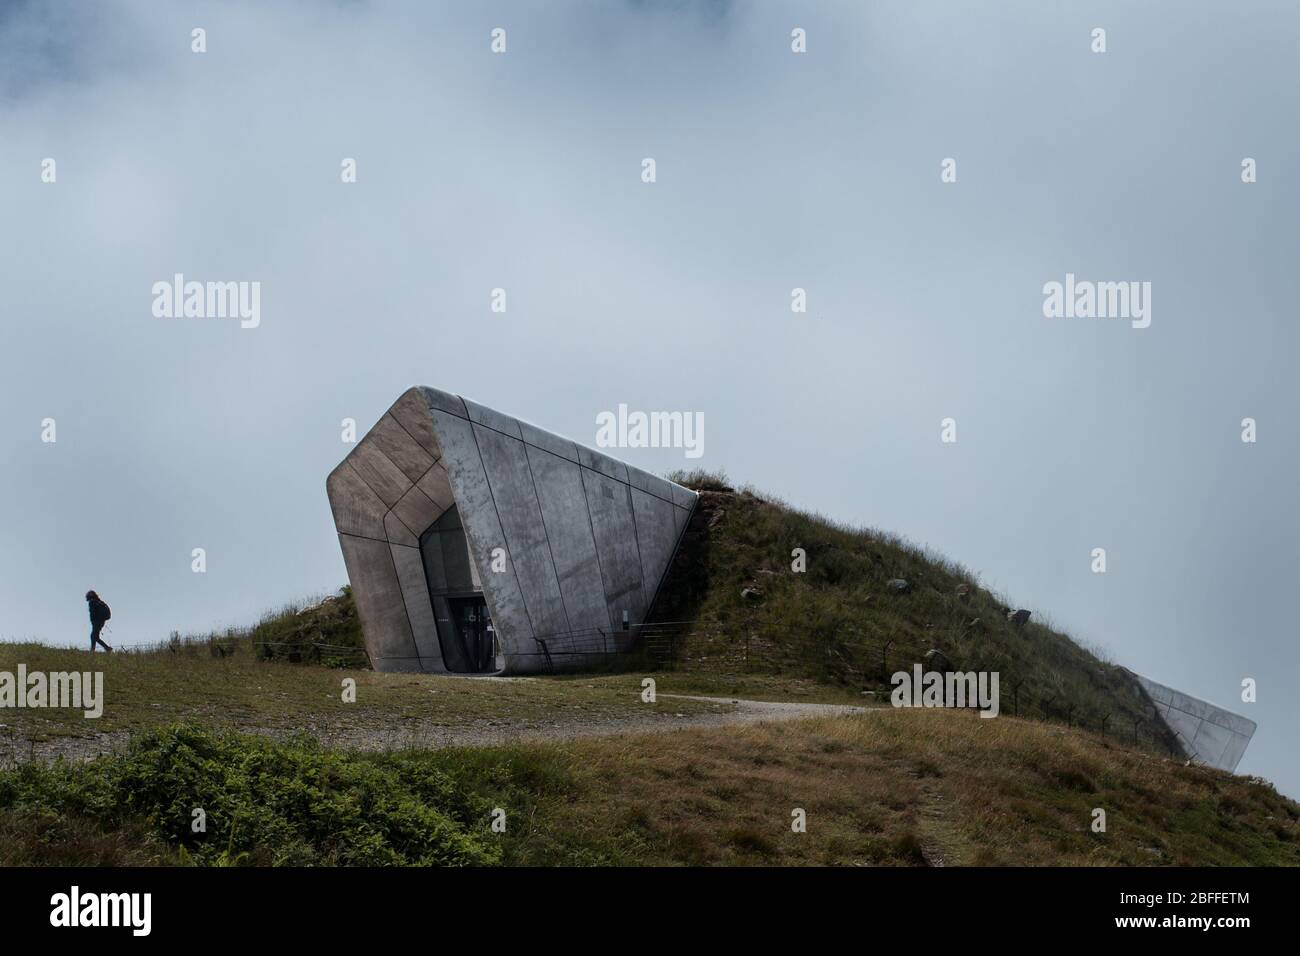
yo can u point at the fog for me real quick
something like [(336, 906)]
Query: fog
[(774, 171)]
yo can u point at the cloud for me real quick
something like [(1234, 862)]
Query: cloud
[(776, 171)]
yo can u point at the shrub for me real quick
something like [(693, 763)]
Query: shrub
[(264, 802)]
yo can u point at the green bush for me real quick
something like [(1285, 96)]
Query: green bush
[(265, 802)]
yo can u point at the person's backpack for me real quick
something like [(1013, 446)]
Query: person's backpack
[(108, 612)]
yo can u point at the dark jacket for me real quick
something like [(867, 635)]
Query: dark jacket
[(99, 612)]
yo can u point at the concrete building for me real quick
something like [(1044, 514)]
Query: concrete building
[(1209, 735), (480, 544), (477, 543)]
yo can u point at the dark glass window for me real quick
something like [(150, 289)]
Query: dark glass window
[(465, 630)]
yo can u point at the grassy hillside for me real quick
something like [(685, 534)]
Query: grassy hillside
[(145, 691), (756, 627), (325, 632), (840, 623), (250, 727), (883, 788)]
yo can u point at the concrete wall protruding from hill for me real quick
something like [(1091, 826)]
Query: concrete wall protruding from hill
[(1210, 735), (564, 546)]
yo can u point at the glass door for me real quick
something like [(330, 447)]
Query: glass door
[(477, 636)]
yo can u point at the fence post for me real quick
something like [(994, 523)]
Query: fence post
[(884, 662), (1103, 725)]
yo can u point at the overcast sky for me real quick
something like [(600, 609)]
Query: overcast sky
[(775, 170)]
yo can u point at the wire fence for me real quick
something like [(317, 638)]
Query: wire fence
[(310, 651)]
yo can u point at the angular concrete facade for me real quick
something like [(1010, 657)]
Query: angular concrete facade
[(478, 543), (1209, 735)]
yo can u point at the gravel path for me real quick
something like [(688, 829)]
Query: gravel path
[(427, 735), (730, 710)]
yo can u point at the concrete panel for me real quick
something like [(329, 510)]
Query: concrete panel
[(481, 415), (1210, 742), (437, 487), (1211, 735), (1234, 722), (357, 509), (400, 448), (483, 530), (1235, 750), (683, 497), (438, 400), (378, 471), (419, 607), (651, 484), (563, 505), (597, 461), (510, 478), (681, 517), (1185, 725), (379, 597), (547, 442), (1157, 692), (1190, 705), (610, 505), (398, 533), (475, 581), (417, 511), (656, 536), (412, 413)]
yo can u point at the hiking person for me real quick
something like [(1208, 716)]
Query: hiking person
[(99, 615)]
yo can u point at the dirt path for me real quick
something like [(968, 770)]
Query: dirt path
[(371, 735)]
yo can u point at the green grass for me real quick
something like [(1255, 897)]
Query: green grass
[(830, 623), (898, 788), (146, 691), (326, 632)]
